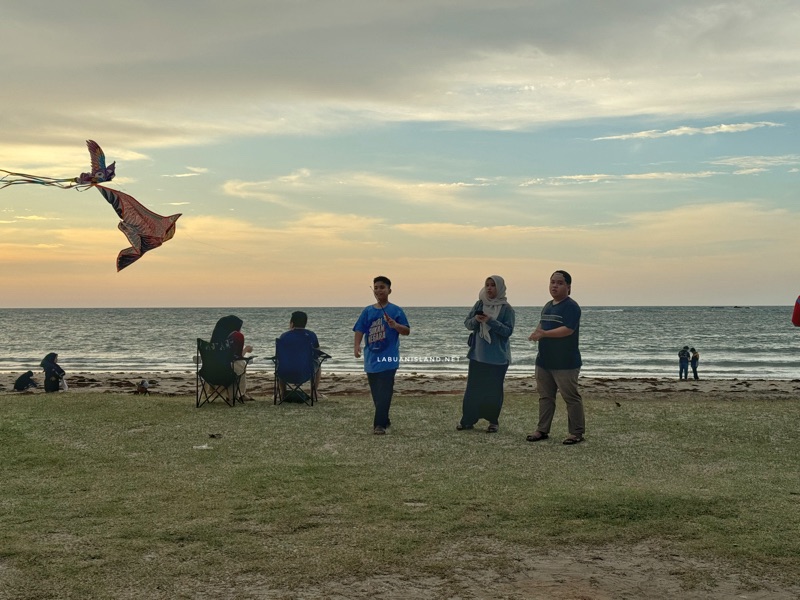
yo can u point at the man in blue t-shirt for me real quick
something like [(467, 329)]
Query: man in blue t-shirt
[(382, 323), (558, 362), (297, 328)]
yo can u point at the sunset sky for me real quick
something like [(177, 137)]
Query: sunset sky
[(649, 148)]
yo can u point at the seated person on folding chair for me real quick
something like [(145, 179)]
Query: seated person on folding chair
[(229, 328), (297, 328)]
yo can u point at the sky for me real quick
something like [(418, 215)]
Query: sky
[(648, 148)]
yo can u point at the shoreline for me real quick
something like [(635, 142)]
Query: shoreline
[(260, 385)]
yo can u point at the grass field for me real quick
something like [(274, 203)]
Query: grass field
[(116, 496)]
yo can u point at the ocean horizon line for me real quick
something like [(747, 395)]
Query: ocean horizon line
[(359, 306)]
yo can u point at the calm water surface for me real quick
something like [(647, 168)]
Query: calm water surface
[(755, 342)]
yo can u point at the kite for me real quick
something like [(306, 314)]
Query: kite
[(796, 313), (144, 229), (99, 173)]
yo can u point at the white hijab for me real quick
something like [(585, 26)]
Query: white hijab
[(492, 307)]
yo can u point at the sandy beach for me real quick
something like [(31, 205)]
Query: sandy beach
[(260, 384)]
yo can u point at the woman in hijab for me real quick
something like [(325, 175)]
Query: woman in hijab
[(491, 322), (225, 327), (53, 373), (228, 329)]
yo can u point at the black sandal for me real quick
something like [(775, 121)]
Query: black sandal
[(537, 438), (572, 440)]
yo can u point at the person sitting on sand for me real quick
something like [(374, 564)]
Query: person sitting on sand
[(53, 373), (25, 381)]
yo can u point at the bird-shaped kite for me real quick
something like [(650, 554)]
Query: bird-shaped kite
[(144, 229), (99, 173)]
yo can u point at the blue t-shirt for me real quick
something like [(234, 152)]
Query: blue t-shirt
[(560, 353), (312, 337), (381, 342)]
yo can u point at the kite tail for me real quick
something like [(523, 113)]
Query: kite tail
[(20, 178)]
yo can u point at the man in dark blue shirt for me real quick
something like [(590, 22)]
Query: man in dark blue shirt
[(558, 362), (297, 328)]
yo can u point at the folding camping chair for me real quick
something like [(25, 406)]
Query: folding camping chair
[(296, 363), (215, 375)]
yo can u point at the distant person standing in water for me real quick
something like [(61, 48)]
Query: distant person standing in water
[(558, 362), (693, 362), (683, 363)]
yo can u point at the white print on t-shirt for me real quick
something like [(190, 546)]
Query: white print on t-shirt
[(377, 331)]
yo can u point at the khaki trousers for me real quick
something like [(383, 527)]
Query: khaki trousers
[(548, 382)]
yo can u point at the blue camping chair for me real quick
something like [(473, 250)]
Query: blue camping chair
[(215, 375), (296, 363)]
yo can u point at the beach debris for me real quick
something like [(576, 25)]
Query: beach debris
[(215, 435), (144, 229), (203, 447)]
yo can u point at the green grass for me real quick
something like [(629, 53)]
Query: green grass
[(105, 495)]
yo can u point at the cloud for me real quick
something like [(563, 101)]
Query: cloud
[(295, 189), (606, 178), (194, 172), (349, 65), (256, 190), (686, 130), (758, 162), (310, 231), (445, 231)]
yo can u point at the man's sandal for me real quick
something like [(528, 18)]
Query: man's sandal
[(537, 436), (572, 440)]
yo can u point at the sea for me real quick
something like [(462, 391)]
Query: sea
[(742, 342)]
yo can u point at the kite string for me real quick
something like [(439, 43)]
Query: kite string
[(11, 178)]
